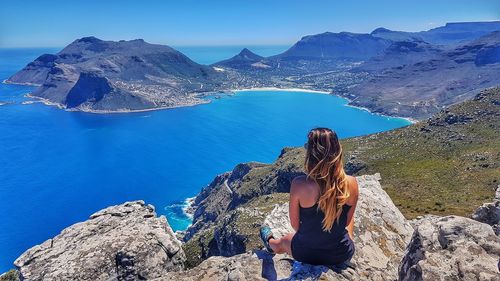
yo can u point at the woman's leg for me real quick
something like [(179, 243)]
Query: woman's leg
[(282, 245)]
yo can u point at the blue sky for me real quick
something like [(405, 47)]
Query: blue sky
[(53, 23)]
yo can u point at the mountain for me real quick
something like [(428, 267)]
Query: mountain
[(244, 59), (451, 34), (328, 45), (420, 89), (409, 74), (96, 75), (400, 53)]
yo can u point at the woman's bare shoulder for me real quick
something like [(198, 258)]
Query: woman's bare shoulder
[(301, 183), (353, 188)]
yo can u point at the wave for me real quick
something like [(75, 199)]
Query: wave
[(180, 214)]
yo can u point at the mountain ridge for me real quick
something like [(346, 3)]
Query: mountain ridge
[(403, 76)]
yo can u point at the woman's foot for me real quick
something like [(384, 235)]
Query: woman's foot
[(265, 235)]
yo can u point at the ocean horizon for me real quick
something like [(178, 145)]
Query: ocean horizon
[(59, 167)]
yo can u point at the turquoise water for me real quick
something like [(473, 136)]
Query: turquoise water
[(58, 167)]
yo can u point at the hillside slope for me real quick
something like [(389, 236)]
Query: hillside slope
[(440, 79), (448, 164)]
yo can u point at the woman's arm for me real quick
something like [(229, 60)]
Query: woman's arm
[(352, 201), (293, 205)]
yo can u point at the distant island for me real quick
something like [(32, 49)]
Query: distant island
[(407, 74)]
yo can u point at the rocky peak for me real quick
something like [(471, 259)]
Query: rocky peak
[(249, 55), (380, 30)]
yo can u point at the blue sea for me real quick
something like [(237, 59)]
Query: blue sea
[(58, 167)]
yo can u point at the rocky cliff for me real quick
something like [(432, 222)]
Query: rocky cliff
[(124, 242), (128, 242)]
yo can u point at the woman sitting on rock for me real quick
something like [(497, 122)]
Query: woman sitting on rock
[(322, 205)]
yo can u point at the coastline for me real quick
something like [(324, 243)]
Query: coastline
[(282, 90), (7, 82), (93, 111), (409, 119), (203, 101), (188, 208)]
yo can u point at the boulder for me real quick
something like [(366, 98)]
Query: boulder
[(490, 213), (124, 242), (451, 248)]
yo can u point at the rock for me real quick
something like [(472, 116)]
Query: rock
[(258, 265), (381, 232), (123, 242), (11, 275), (490, 213), (451, 248)]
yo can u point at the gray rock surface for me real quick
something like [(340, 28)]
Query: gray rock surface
[(381, 231), (258, 265), (451, 248), (123, 242), (490, 213)]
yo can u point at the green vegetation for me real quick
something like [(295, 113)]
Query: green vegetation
[(236, 231), (11, 275), (446, 165)]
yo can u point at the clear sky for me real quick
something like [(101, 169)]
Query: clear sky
[(53, 23)]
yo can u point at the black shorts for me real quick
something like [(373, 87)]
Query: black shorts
[(327, 256)]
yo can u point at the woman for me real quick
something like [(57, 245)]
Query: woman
[(322, 205)]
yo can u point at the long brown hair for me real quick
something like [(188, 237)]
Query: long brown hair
[(325, 166)]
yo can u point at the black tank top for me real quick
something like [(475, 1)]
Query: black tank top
[(318, 246)]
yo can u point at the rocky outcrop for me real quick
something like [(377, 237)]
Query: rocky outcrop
[(451, 248), (257, 266), (128, 242), (381, 232), (490, 213), (124, 242)]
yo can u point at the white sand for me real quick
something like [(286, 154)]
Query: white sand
[(282, 89)]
